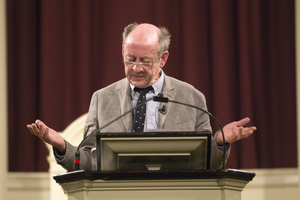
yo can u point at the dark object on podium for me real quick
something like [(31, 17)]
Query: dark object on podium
[(153, 151), (154, 175)]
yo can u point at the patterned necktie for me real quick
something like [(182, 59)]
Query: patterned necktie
[(139, 114)]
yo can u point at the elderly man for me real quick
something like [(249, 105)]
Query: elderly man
[(145, 53)]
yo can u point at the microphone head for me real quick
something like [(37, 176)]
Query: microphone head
[(160, 98), (163, 110)]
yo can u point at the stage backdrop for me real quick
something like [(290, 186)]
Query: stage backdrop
[(240, 54)]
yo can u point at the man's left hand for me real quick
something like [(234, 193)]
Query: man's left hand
[(235, 131)]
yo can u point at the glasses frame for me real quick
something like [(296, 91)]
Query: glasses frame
[(140, 64)]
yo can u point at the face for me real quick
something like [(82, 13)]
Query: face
[(141, 76), (142, 46)]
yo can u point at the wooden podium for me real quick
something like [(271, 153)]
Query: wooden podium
[(154, 185)]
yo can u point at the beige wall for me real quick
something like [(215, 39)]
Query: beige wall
[(3, 102), (297, 13)]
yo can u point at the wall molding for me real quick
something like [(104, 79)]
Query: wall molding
[(274, 177), (28, 181)]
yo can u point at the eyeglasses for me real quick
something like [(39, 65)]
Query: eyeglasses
[(131, 64)]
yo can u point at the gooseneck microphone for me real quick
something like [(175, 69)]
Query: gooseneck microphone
[(161, 98), (77, 154), (158, 98)]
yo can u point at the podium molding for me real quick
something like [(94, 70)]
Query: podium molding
[(198, 185)]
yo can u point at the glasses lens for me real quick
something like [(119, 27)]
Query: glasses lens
[(141, 64), (145, 64), (129, 64)]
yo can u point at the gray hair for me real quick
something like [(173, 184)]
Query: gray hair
[(164, 37)]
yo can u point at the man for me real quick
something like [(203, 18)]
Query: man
[(145, 53)]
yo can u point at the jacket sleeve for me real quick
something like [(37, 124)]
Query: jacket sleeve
[(67, 160), (217, 153)]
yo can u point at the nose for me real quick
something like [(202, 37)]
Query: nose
[(137, 68)]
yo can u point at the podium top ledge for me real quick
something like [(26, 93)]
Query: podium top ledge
[(153, 175)]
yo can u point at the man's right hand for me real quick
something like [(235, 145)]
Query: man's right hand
[(47, 135)]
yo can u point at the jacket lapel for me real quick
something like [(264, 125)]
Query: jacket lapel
[(125, 104), (169, 92)]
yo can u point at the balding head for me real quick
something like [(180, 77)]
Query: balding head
[(147, 33), (144, 34)]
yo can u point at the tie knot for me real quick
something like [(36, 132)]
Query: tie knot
[(143, 90)]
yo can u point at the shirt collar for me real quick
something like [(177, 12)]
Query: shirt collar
[(157, 85)]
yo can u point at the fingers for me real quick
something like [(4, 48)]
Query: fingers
[(40, 125), (47, 135), (243, 122), (35, 128), (32, 128), (38, 128), (236, 130), (245, 132)]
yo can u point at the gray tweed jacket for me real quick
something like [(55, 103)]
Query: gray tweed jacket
[(115, 99)]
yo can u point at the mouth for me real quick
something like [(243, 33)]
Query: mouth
[(137, 76)]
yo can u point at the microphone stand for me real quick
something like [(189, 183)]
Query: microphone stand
[(77, 154), (160, 98)]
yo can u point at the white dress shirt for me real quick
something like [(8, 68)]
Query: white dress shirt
[(151, 120)]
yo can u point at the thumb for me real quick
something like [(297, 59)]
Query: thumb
[(39, 123)]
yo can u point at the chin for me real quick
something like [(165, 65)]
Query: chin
[(138, 84)]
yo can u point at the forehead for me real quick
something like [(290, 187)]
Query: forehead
[(142, 38), (144, 33), (140, 50)]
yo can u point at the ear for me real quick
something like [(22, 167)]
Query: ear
[(164, 58)]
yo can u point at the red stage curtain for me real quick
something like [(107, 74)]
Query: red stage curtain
[(240, 54)]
